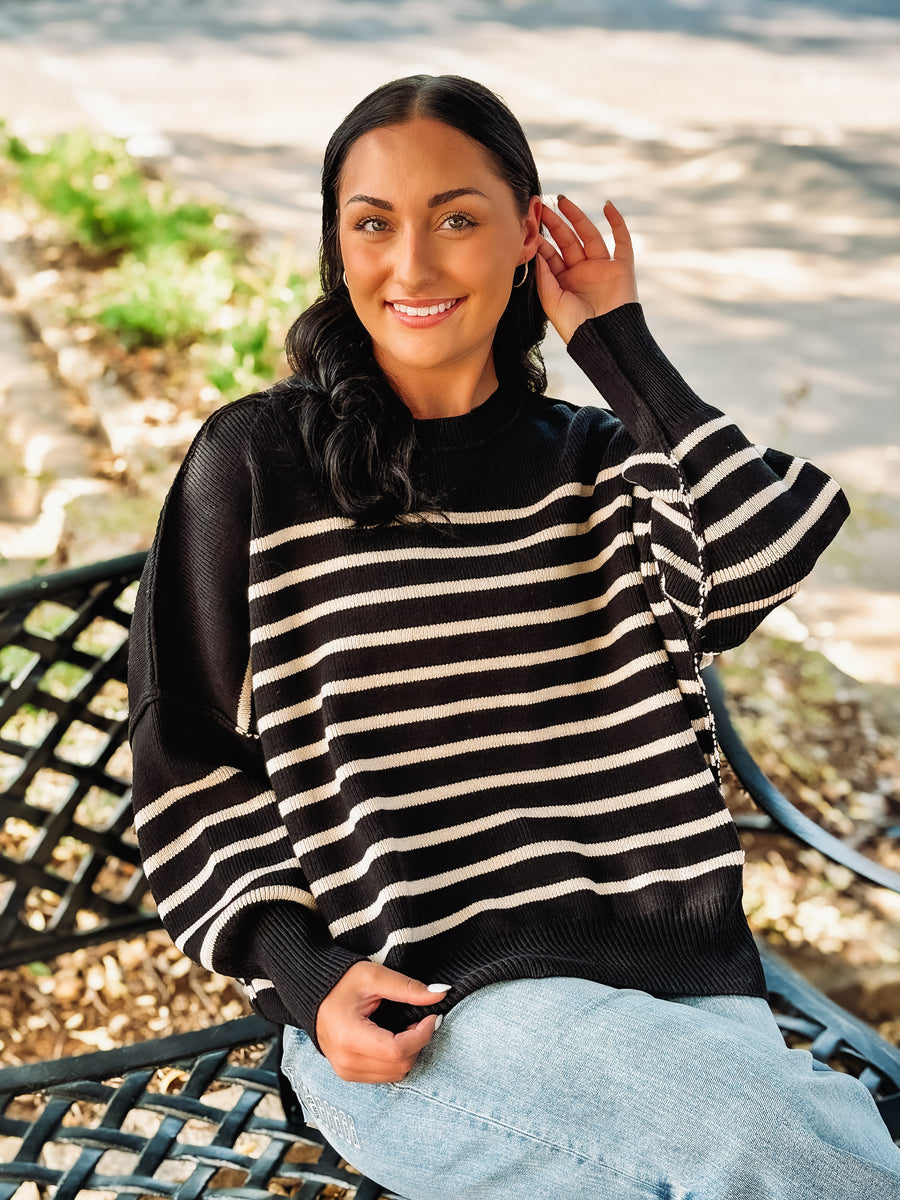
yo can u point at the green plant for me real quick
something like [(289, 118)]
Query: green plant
[(103, 200), (166, 296), (175, 273)]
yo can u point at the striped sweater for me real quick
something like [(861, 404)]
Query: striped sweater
[(473, 748)]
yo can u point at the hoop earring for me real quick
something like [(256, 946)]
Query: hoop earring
[(524, 276), (344, 280)]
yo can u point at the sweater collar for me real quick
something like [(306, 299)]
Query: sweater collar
[(472, 428)]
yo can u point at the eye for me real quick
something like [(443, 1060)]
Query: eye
[(371, 225), (458, 222)]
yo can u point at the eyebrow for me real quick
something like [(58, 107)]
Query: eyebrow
[(434, 201)]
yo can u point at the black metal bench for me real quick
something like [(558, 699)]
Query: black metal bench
[(200, 1114)]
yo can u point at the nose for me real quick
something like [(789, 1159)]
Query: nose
[(416, 263)]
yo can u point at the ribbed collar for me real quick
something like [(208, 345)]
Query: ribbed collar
[(472, 428)]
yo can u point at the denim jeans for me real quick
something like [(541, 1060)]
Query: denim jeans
[(565, 1088)]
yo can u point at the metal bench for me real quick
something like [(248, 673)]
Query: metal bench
[(201, 1114)]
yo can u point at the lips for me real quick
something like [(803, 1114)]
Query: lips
[(423, 310)]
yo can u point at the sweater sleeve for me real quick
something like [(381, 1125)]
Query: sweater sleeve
[(221, 867), (730, 529)]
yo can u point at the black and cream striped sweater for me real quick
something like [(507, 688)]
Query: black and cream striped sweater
[(476, 748)]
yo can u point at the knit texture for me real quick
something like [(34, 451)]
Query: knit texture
[(474, 748)]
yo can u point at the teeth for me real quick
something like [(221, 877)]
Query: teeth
[(431, 311)]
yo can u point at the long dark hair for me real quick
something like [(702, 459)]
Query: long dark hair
[(357, 433)]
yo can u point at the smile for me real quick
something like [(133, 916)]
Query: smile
[(430, 310)]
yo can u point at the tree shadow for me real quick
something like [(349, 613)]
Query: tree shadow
[(803, 27)]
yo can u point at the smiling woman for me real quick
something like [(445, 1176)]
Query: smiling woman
[(416, 694), (430, 272)]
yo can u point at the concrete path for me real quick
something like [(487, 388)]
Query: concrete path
[(753, 145)]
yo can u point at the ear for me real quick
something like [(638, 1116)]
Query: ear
[(531, 227)]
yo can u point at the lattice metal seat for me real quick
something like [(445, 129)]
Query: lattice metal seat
[(71, 874), (198, 1115), (127, 1123)]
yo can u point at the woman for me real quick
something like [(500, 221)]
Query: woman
[(417, 715)]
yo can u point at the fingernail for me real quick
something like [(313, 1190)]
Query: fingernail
[(438, 987), (438, 1022)]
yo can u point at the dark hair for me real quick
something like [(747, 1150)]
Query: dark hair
[(357, 433)]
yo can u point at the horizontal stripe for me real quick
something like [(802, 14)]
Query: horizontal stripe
[(582, 810), (415, 675), (239, 895), (721, 471), (753, 507), (692, 440), (756, 564), (292, 533), (556, 891), (194, 885), (479, 517), (753, 606), (472, 745), (671, 559), (672, 514), (482, 783), (151, 811), (440, 588), (527, 853), (451, 629), (446, 553), (209, 819)]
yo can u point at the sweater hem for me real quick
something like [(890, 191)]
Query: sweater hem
[(676, 956)]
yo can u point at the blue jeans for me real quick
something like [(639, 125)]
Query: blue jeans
[(554, 1088)]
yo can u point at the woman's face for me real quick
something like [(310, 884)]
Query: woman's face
[(430, 237)]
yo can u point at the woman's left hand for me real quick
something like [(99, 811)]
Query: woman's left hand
[(578, 278)]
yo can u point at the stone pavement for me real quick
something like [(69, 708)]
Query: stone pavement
[(753, 145), (50, 452)]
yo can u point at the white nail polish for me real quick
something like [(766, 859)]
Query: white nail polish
[(437, 1023), (438, 987)]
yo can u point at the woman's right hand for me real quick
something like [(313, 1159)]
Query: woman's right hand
[(359, 1050)]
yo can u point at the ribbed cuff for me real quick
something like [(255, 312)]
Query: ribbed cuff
[(621, 358), (292, 949)]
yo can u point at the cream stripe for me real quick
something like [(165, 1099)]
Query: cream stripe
[(673, 515), (350, 562), (314, 528), (736, 610), (529, 510), (554, 892), (196, 882), (152, 810), (293, 532), (438, 712), (368, 599), (415, 675), (180, 844), (259, 895), (690, 610), (464, 787), (700, 434), (722, 470), (529, 853), (649, 458), (245, 702), (495, 741), (507, 859), (671, 559), (393, 637), (776, 550), (754, 506)]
